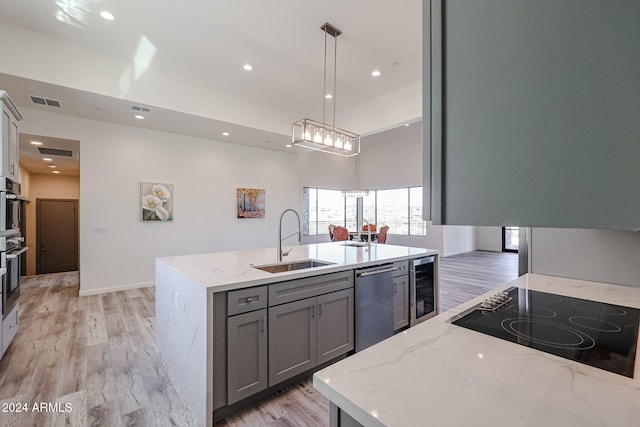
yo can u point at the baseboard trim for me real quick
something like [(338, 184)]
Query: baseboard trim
[(85, 292)]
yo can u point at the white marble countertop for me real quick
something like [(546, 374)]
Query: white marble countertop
[(441, 374), (224, 271)]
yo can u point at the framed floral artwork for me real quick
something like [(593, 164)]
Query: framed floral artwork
[(250, 203), (156, 201)]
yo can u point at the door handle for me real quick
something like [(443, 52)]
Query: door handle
[(371, 273), (263, 323), (313, 311), (320, 310)]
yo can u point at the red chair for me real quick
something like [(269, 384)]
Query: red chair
[(382, 235), (340, 233), (331, 228)]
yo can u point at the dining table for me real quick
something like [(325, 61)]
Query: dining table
[(353, 235)]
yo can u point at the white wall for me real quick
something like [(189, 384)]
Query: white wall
[(458, 239), (489, 238), (611, 256), (384, 164), (114, 159)]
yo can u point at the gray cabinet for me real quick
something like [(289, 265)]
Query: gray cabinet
[(531, 114), (292, 339), (246, 355), (9, 132), (309, 332), (10, 325), (400, 295), (334, 324), (310, 322), (400, 302)]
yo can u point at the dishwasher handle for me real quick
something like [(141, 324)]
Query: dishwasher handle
[(371, 273)]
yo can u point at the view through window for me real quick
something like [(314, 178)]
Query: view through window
[(399, 208)]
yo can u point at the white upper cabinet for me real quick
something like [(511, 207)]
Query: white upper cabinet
[(532, 117), (10, 148)]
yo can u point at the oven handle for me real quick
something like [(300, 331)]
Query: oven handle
[(11, 196), (16, 254)]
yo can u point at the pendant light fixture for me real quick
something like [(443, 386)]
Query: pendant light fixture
[(321, 136)]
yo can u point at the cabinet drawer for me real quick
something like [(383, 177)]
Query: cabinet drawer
[(294, 290), (245, 300), (402, 268), (9, 328)]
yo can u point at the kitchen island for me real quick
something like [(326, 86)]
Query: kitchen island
[(213, 310), (438, 373)]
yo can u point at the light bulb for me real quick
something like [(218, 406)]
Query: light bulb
[(317, 137), (339, 143), (328, 140), (347, 145), (307, 136)]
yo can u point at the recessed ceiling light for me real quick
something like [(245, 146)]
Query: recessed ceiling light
[(328, 96), (247, 67), (376, 73), (139, 117), (225, 134), (52, 166), (46, 159), (406, 124), (288, 145), (107, 15), (56, 171), (36, 142)]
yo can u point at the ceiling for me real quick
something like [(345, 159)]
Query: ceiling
[(205, 44)]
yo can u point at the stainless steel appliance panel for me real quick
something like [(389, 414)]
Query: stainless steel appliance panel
[(374, 305)]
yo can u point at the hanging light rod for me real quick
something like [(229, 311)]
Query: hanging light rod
[(322, 136)]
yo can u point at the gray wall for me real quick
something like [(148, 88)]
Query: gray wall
[(610, 256)]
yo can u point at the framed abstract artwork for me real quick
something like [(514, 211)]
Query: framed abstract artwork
[(250, 202)]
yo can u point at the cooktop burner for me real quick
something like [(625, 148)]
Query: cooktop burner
[(591, 332)]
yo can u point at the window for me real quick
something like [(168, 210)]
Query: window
[(400, 209), (392, 209)]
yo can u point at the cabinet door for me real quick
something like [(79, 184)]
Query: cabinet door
[(530, 127), (335, 324), (400, 302), (247, 354), (13, 150), (292, 339), (10, 325), (6, 131)]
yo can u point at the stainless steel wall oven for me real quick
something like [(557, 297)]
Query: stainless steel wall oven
[(423, 290), (10, 250), (10, 207), (11, 242)]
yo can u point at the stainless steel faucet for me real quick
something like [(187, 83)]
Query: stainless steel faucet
[(280, 239)]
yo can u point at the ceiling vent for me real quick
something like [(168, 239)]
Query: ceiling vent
[(44, 101), (140, 109), (55, 152)]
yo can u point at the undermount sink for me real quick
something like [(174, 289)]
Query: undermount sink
[(358, 244), (293, 265)]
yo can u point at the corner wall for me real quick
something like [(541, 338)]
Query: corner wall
[(609, 256), (205, 174)]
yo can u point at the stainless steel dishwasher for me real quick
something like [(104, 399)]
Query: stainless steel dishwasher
[(374, 305)]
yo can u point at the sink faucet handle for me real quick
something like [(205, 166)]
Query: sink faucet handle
[(285, 253)]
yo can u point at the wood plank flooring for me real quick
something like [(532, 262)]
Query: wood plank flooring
[(97, 355), (465, 276)]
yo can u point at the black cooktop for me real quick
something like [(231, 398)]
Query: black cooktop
[(595, 333)]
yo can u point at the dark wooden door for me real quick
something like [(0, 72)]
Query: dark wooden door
[(56, 235)]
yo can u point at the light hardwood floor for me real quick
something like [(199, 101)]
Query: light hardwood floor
[(97, 354)]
